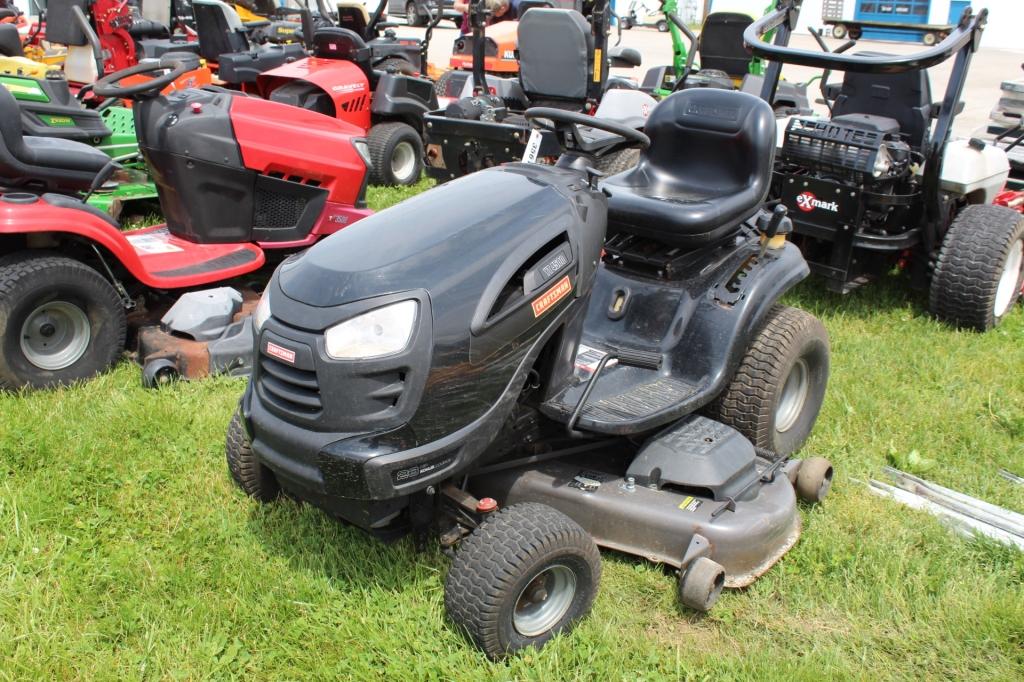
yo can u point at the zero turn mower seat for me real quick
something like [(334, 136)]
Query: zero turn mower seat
[(10, 41), (556, 55), (720, 45), (222, 39), (51, 162), (670, 198), (904, 97)]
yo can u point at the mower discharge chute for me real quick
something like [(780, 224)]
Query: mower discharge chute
[(882, 183), (514, 361), (234, 191)]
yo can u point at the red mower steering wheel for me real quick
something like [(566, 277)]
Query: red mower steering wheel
[(108, 86)]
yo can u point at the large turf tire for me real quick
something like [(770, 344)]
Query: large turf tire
[(253, 477), (791, 343), (971, 284), (618, 162), (389, 145), (60, 321), (511, 551), (441, 84), (398, 64)]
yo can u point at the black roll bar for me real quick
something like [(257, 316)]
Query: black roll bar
[(967, 32)]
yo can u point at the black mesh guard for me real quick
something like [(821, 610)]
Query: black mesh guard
[(826, 146)]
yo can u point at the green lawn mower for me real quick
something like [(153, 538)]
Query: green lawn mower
[(717, 58), (49, 109)]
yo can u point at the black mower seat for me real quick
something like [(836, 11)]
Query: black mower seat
[(10, 41), (52, 162), (708, 169)]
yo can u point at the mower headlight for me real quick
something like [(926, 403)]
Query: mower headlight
[(262, 312), (359, 144), (380, 332)]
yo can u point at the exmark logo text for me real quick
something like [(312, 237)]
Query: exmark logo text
[(807, 202)]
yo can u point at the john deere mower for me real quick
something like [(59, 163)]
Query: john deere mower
[(881, 183)]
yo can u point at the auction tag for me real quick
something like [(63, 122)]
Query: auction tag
[(532, 147), (157, 241)]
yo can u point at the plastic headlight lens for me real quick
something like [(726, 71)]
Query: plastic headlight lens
[(363, 150), (262, 313), (380, 332)]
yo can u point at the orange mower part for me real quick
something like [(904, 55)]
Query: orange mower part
[(502, 58)]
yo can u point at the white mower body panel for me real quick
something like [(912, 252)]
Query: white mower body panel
[(980, 173)]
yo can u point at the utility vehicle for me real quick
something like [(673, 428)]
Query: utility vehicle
[(233, 188), (880, 183), (531, 363)]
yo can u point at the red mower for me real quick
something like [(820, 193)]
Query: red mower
[(237, 185)]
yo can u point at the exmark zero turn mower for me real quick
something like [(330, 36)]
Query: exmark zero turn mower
[(880, 183), (480, 362), (69, 275)]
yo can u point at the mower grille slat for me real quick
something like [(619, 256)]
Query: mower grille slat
[(830, 147), (290, 389)]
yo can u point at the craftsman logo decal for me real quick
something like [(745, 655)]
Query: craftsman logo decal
[(807, 202), (552, 296), (280, 353)]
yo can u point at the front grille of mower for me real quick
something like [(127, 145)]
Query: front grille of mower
[(290, 389), (826, 146), (277, 210)]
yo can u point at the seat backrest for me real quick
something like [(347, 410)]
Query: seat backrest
[(354, 17), (61, 26), (731, 133), (11, 140), (10, 41), (905, 97), (721, 43), (556, 51), (333, 42), (219, 28)]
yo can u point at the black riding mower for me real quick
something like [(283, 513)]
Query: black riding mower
[(529, 364), (564, 60), (881, 184)]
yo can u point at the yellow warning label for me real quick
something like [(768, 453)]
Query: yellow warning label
[(597, 66), (690, 503)]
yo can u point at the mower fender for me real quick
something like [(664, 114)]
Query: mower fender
[(344, 82), (76, 220), (403, 97)]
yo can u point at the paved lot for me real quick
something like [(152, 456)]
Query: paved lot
[(989, 67)]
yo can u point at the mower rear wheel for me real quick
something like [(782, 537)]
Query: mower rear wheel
[(980, 268), (813, 479), (777, 391), (396, 154), (397, 64), (60, 321), (526, 574), (701, 584), (253, 477)]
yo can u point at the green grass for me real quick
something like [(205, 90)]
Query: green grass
[(126, 552)]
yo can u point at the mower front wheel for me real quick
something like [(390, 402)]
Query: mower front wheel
[(396, 154), (526, 574), (252, 476), (978, 275), (776, 394), (60, 321)]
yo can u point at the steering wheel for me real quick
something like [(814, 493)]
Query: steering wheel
[(563, 119), (109, 86)]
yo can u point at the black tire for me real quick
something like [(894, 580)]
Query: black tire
[(929, 39), (618, 162), (839, 31), (398, 64), (813, 479), (159, 372), (701, 584), (966, 289), (627, 23), (510, 552), (81, 321), (441, 84), (389, 142), (856, 32), (791, 344), (662, 26), (255, 479), (412, 15)]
